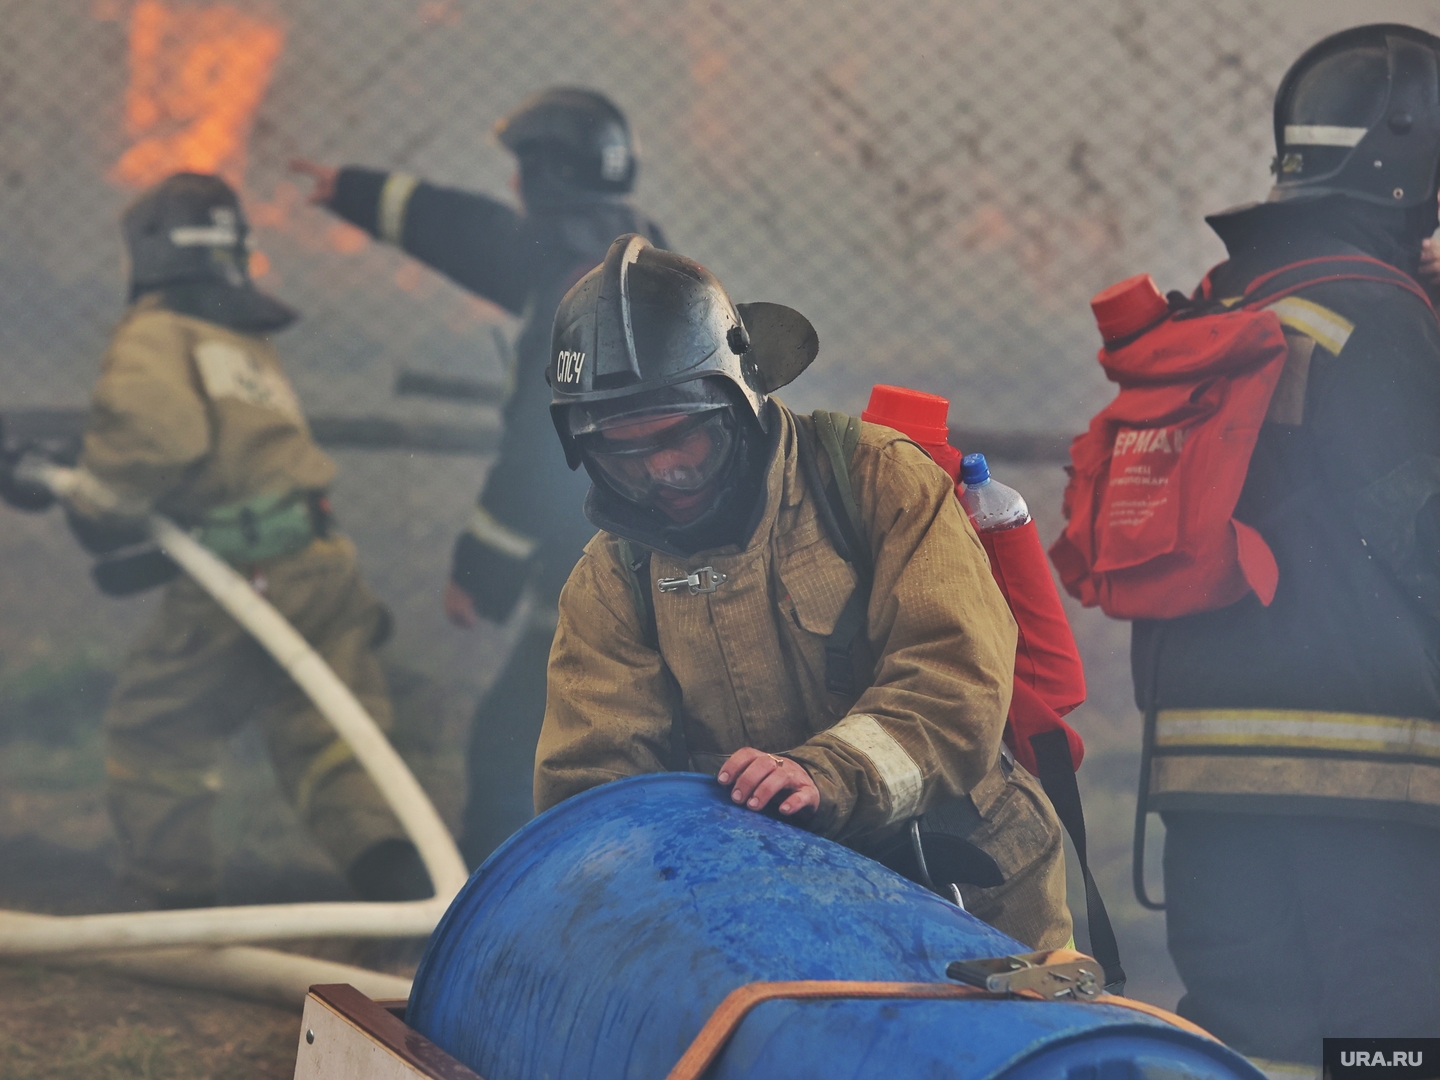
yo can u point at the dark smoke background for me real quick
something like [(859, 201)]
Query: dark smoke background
[(939, 185)]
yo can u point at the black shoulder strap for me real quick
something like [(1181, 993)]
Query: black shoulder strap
[(637, 561), (838, 435), (1291, 278), (1057, 777)]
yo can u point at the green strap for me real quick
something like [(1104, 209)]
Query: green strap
[(264, 527), (839, 437)]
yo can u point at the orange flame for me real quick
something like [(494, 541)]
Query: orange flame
[(197, 75)]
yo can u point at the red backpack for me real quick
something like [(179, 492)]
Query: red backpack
[(1154, 482)]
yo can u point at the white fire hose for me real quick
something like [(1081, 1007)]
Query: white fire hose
[(261, 970)]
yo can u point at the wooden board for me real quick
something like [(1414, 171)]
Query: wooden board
[(346, 1036)]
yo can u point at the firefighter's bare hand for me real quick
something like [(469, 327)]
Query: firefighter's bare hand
[(756, 778), (459, 608), (325, 177)]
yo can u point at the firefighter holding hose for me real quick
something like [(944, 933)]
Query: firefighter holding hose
[(194, 418)]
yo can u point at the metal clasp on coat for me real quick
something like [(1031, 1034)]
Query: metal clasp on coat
[(705, 580)]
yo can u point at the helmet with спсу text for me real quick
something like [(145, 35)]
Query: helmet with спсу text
[(658, 329)]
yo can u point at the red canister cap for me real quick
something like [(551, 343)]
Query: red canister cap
[(1133, 305), (918, 416), (914, 413)]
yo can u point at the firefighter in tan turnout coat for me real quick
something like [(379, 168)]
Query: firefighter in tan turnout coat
[(725, 620), (194, 418)]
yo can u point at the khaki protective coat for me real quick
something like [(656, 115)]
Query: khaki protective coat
[(745, 666), (189, 416)]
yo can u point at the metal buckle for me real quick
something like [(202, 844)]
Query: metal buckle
[(705, 580), (1061, 978)]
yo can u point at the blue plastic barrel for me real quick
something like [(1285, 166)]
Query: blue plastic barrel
[(597, 941)]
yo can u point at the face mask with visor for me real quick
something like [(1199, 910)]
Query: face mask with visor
[(684, 456)]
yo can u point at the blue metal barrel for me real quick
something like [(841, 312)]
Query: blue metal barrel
[(597, 941)]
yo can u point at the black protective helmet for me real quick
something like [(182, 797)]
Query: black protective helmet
[(188, 227), (188, 238), (566, 137), (1359, 115), (652, 331)]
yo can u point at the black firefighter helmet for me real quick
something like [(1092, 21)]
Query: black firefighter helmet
[(188, 239), (650, 333), (569, 140), (1359, 115)]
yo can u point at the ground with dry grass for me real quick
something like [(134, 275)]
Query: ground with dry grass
[(60, 1025)]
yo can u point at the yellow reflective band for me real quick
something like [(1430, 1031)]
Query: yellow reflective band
[(897, 771), (1329, 330), (335, 755), (1297, 729), (486, 528), (394, 198)]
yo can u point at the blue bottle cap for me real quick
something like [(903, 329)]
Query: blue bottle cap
[(974, 469)]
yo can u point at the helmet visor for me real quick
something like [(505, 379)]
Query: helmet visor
[(676, 451), (696, 396)]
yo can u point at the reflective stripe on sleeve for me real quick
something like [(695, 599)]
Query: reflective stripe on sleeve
[(485, 528), (898, 772), (1297, 729), (1329, 330), (1323, 135), (394, 198)]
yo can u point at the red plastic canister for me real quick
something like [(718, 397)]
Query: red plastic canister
[(919, 416), (1126, 308)]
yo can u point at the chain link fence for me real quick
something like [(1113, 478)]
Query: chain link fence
[(940, 185)]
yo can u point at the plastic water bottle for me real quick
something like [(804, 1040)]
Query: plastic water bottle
[(991, 505)]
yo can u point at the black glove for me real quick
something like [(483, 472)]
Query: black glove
[(102, 536), (492, 578), (22, 494), (142, 569), (27, 494)]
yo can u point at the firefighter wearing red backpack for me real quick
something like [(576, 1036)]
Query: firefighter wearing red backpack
[(831, 648), (1263, 499)]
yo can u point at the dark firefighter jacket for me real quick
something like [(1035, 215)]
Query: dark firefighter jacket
[(1328, 700), (531, 501)]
